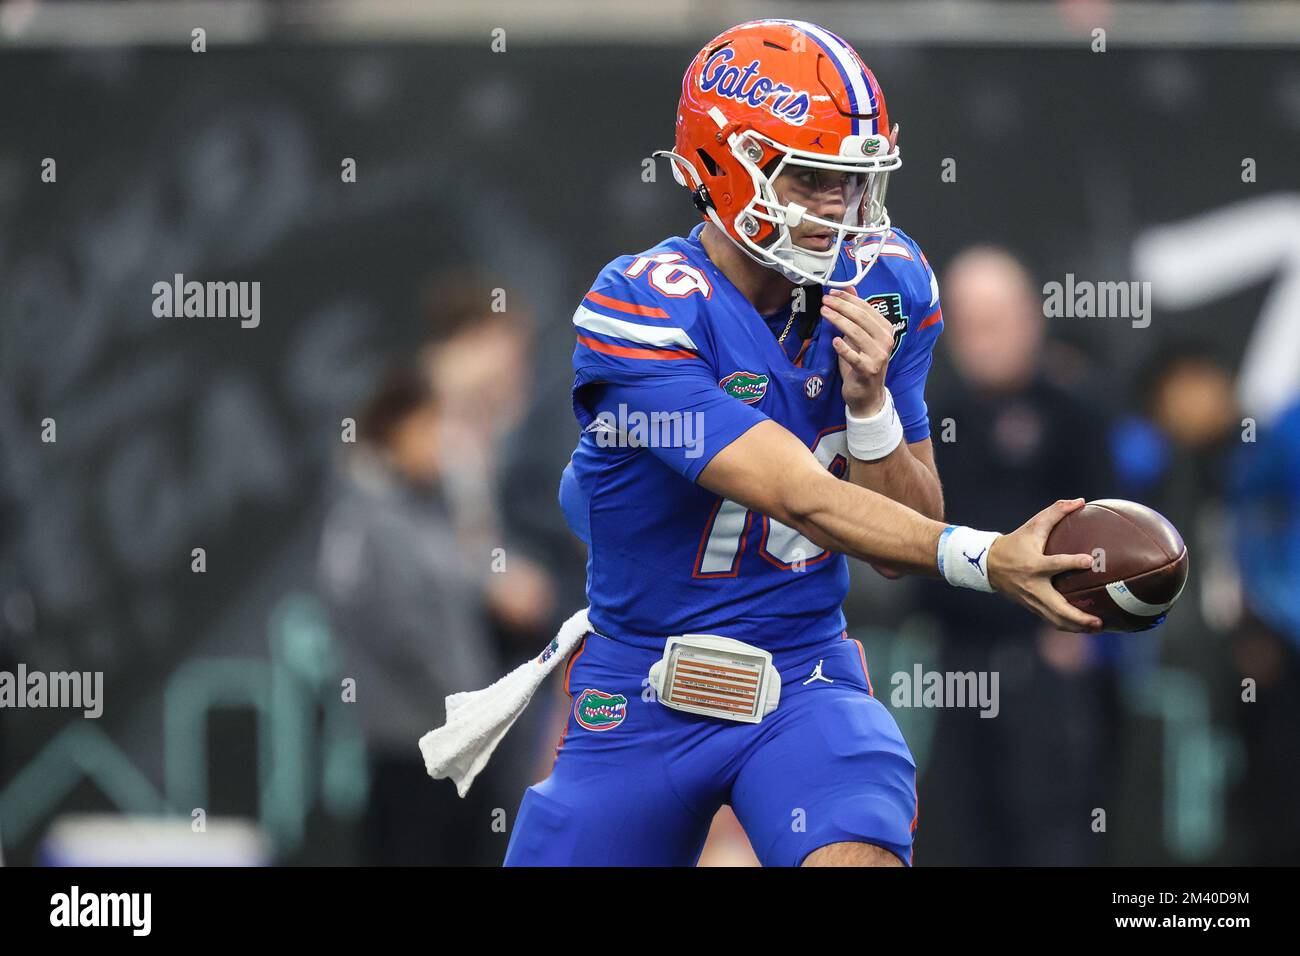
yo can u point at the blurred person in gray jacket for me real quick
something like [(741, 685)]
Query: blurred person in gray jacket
[(412, 615)]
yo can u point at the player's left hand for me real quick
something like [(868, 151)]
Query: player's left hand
[(863, 347)]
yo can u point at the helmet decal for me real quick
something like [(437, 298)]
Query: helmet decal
[(747, 86)]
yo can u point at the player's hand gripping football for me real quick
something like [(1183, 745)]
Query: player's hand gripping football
[(864, 345), (1020, 570)]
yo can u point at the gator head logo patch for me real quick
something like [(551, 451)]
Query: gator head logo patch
[(551, 648), (891, 307), (749, 387), (596, 710)]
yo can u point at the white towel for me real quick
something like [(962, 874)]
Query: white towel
[(478, 720)]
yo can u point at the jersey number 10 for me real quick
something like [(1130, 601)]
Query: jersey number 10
[(723, 543)]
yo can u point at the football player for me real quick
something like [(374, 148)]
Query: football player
[(752, 397)]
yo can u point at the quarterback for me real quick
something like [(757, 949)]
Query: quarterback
[(795, 324)]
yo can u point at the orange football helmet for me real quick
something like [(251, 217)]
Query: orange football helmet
[(774, 95)]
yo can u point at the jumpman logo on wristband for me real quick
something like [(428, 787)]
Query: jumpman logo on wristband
[(975, 561)]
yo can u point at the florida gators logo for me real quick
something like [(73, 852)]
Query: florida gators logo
[(749, 387), (746, 86), (596, 710)]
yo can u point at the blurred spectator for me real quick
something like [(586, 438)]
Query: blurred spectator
[(478, 360), (1186, 418), (1266, 646), (503, 501), (1017, 789), (431, 594), (1175, 456), (411, 614)]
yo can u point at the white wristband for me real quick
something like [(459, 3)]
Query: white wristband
[(876, 436), (963, 556)]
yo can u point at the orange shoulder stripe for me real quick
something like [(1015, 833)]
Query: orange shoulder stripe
[(627, 351), (934, 318), (631, 308)]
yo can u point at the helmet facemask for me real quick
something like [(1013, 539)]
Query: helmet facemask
[(864, 165)]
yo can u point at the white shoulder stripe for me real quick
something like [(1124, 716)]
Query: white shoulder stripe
[(658, 335), (895, 249)]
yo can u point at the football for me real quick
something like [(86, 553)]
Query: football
[(1139, 563)]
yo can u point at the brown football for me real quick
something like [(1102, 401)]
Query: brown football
[(1139, 563)]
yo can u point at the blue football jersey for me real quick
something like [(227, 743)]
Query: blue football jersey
[(672, 364)]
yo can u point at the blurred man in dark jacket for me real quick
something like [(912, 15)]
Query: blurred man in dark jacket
[(1014, 789)]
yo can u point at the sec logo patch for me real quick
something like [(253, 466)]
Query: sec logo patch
[(813, 387)]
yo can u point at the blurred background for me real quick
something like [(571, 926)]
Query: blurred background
[(283, 544)]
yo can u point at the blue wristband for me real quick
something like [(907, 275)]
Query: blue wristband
[(942, 538)]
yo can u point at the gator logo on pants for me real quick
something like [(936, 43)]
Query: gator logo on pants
[(597, 710)]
